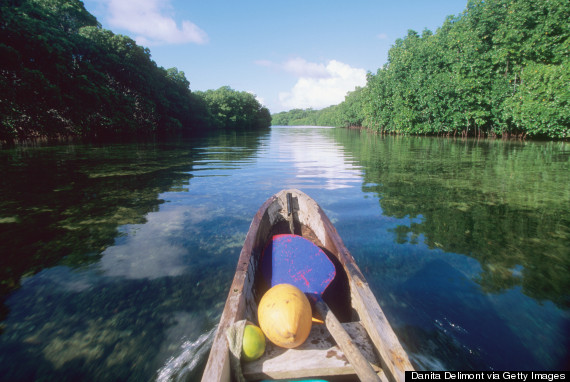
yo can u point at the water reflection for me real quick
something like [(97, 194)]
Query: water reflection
[(466, 245), (309, 156), (143, 269), (504, 204), (126, 252), (66, 203), (148, 250)]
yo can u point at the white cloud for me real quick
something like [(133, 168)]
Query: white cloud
[(301, 68), (382, 36), (150, 22), (320, 85)]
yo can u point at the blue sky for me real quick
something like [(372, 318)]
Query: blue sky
[(289, 53)]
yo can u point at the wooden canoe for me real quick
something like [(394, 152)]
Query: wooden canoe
[(349, 297)]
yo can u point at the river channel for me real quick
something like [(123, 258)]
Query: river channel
[(116, 259)]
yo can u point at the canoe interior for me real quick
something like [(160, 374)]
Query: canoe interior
[(337, 295), (348, 296)]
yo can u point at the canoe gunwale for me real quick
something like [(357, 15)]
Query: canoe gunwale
[(241, 301)]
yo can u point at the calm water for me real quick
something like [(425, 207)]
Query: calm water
[(116, 259)]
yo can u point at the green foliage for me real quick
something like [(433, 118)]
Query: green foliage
[(543, 102), (495, 69), (295, 117), (65, 75), (499, 68), (347, 114), (231, 109)]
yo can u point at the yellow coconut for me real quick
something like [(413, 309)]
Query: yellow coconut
[(284, 315)]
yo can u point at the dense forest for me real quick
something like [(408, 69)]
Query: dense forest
[(500, 68), (62, 74)]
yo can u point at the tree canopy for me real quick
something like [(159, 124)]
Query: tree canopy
[(62, 74), (499, 68), (230, 109)]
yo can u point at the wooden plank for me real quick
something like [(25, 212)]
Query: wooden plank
[(317, 356), (394, 359)]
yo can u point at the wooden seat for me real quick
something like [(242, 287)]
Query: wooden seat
[(317, 356)]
